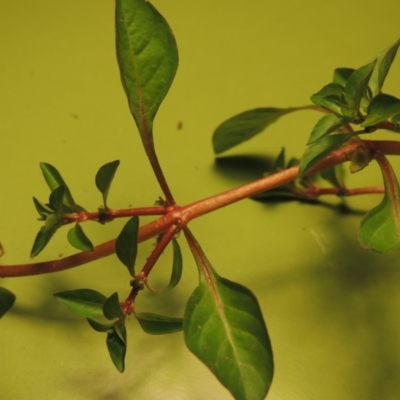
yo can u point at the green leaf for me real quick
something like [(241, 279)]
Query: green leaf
[(380, 228), (99, 327), (326, 125), (85, 302), (148, 59), (245, 125), (224, 327), (126, 244), (43, 210), (319, 149), (112, 308), (381, 108), (104, 178), (78, 238), (356, 87), (117, 349), (54, 179), (56, 199), (342, 75), (7, 300), (383, 64), (155, 324), (329, 97), (334, 176), (50, 227), (120, 330)]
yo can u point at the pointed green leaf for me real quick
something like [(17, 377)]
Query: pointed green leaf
[(46, 232), (356, 87), (78, 238), (319, 149), (381, 108), (99, 327), (117, 349), (245, 125), (342, 75), (326, 125), (126, 244), (155, 324), (112, 308), (380, 228), (147, 57), (42, 209), (120, 330), (56, 199), (104, 178), (329, 97), (383, 64), (224, 327), (85, 302), (54, 180), (7, 300)]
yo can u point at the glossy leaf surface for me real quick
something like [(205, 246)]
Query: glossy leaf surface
[(104, 178), (85, 302), (155, 324), (381, 108), (225, 329), (327, 124), (383, 64), (78, 239), (148, 58), (126, 244), (329, 97), (117, 350), (112, 308), (244, 126), (7, 300), (380, 228)]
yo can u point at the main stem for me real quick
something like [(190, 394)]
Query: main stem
[(186, 213)]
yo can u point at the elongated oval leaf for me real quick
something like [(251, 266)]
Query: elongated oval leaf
[(50, 227), (319, 149), (104, 178), (245, 125), (224, 327), (356, 87), (7, 300), (112, 308), (85, 302), (381, 108), (148, 58), (380, 228), (117, 349), (326, 125), (78, 238), (155, 324), (99, 327), (126, 244), (383, 64), (329, 97)]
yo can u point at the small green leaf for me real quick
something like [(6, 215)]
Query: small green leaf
[(7, 300), (50, 227), (99, 327), (224, 327), (126, 244), (112, 308), (326, 125), (120, 330), (117, 349), (155, 324), (319, 149), (381, 108), (380, 228), (104, 178), (43, 210), (342, 75), (148, 59), (329, 97), (383, 64), (85, 302), (356, 87), (54, 180), (245, 125), (78, 238), (56, 199)]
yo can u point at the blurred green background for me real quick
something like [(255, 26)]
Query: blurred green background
[(332, 308)]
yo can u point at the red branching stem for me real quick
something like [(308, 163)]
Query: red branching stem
[(187, 213)]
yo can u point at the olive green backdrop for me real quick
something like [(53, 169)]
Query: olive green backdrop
[(332, 309)]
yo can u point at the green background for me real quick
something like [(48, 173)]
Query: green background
[(332, 308)]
